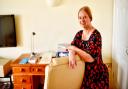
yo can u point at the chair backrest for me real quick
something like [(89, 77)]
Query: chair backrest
[(58, 75)]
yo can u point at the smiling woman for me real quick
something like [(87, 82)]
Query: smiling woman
[(87, 43)]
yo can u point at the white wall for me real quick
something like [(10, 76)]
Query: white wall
[(55, 25)]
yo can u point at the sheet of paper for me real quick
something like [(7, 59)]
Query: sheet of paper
[(46, 58)]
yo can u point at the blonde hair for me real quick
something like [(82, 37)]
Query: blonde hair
[(87, 10)]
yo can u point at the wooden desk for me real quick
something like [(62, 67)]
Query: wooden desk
[(27, 76)]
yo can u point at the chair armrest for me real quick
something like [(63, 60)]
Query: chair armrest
[(62, 60)]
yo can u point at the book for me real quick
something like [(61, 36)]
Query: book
[(24, 61), (62, 50)]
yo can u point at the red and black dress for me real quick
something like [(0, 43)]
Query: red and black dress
[(96, 73)]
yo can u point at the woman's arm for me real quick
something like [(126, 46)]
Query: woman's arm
[(84, 55), (72, 59)]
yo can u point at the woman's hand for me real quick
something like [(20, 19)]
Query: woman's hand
[(72, 63), (72, 59)]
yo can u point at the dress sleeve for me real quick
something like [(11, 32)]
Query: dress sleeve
[(95, 47), (76, 38)]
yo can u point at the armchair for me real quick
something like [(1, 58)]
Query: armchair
[(58, 75)]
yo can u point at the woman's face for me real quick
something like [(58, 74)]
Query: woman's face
[(84, 19)]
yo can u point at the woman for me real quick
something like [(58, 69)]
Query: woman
[(87, 44)]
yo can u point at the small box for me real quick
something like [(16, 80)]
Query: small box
[(4, 66)]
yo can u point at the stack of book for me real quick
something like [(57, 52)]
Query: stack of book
[(62, 50)]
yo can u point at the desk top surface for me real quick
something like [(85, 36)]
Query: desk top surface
[(16, 62)]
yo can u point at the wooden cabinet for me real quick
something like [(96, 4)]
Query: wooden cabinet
[(22, 86), (27, 76)]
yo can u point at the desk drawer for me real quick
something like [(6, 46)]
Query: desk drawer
[(37, 70), (22, 86), (21, 69), (20, 79)]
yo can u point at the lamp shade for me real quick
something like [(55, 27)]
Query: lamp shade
[(52, 2)]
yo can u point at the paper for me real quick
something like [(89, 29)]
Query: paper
[(46, 58), (63, 45)]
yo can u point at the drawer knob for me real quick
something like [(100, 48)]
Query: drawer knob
[(22, 70), (38, 70), (23, 80), (23, 88)]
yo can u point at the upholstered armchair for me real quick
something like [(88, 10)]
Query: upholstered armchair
[(58, 75)]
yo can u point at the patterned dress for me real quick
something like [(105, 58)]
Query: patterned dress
[(96, 73)]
